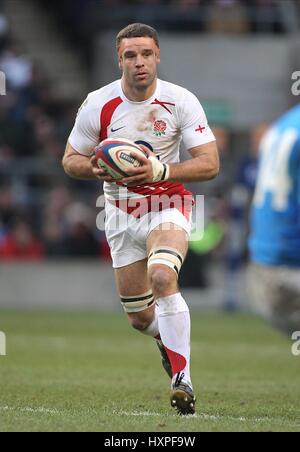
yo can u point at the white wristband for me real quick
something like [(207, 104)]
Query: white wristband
[(161, 171)]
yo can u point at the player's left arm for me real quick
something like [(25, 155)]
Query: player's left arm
[(199, 140), (204, 165)]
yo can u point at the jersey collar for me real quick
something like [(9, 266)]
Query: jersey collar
[(144, 102)]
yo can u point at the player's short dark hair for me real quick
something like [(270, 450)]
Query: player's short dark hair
[(137, 30)]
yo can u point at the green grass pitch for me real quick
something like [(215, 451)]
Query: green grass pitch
[(91, 372)]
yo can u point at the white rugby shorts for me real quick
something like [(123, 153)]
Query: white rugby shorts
[(127, 235)]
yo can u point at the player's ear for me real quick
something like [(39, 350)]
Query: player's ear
[(120, 63), (158, 56)]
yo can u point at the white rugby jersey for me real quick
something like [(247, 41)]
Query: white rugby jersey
[(171, 115)]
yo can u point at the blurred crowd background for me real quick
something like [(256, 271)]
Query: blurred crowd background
[(44, 214)]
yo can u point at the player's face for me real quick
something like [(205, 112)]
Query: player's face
[(138, 59)]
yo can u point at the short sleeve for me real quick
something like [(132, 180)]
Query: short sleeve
[(194, 125), (86, 131)]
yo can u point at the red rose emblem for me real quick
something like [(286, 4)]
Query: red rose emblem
[(160, 126)]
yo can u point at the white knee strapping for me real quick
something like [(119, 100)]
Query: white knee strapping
[(174, 304), (165, 255), (137, 303)]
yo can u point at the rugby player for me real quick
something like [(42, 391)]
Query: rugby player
[(148, 250), (275, 226)]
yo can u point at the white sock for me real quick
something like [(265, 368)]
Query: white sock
[(175, 330), (152, 330)]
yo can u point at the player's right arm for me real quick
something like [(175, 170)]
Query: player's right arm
[(79, 161), (80, 166)]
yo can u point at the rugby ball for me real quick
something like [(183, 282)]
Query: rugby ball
[(113, 155)]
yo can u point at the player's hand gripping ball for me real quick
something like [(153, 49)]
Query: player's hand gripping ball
[(114, 157)]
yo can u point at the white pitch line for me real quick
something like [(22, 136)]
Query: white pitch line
[(43, 410), (135, 413), (39, 410), (194, 416)]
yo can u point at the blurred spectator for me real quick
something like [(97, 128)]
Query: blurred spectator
[(21, 243), (80, 240), (16, 66), (239, 204), (53, 221), (7, 156), (4, 29), (6, 208), (222, 184), (54, 240), (228, 16), (265, 17), (186, 15), (241, 197), (203, 247), (248, 164)]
